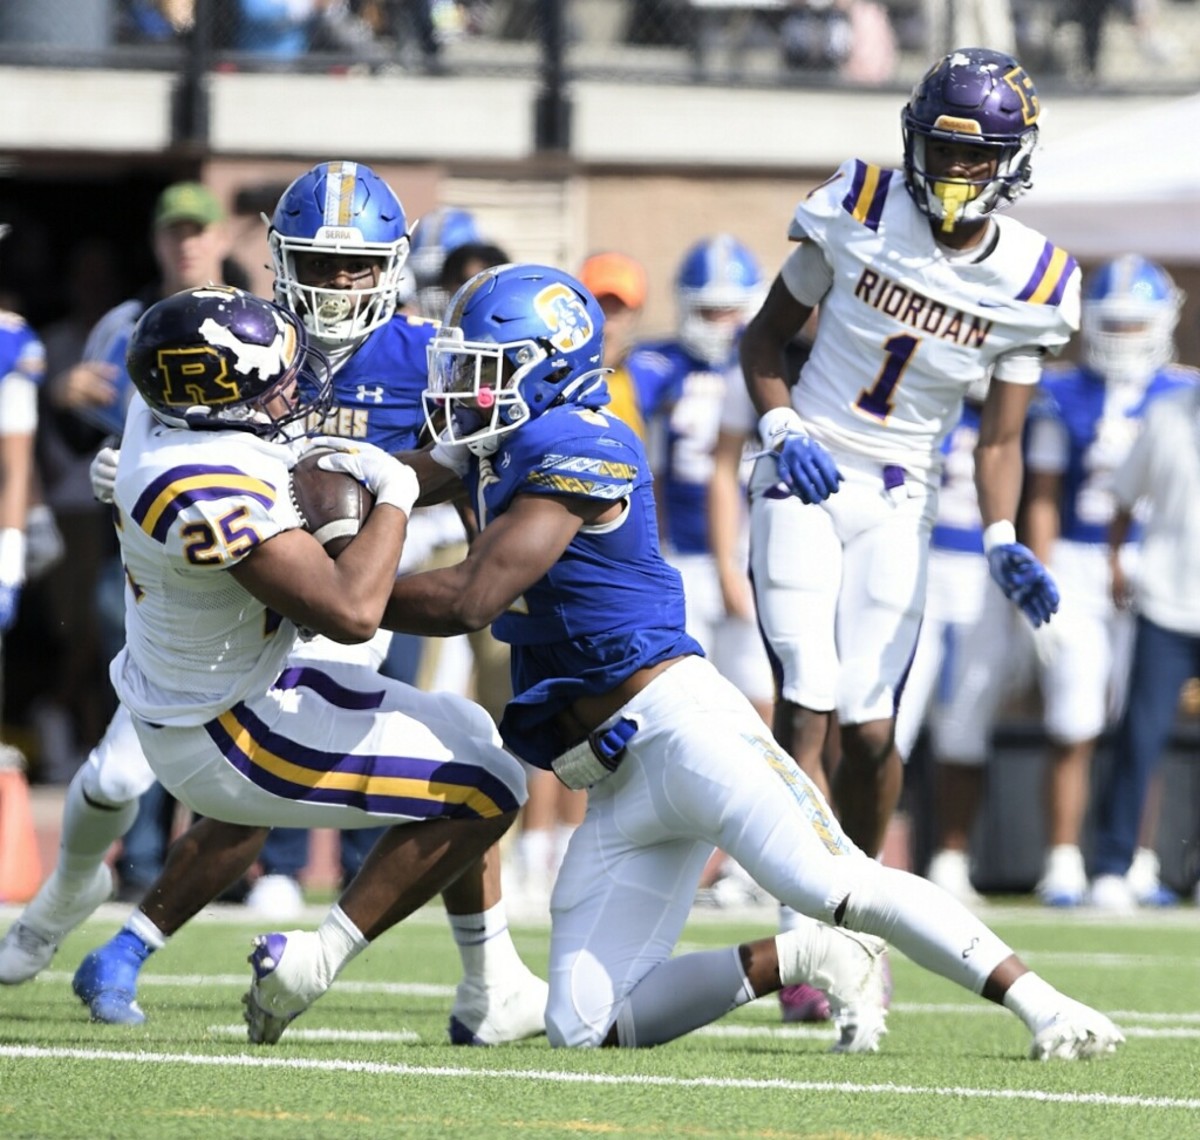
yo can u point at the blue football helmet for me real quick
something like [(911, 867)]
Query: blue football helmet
[(984, 98), (217, 358), (435, 235), (339, 208), (1130, 310), (718, 286), (517, 339)]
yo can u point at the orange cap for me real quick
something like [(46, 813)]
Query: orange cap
[(616, 275)]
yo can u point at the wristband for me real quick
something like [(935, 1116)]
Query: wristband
[(774, 425), (1001, 533), (12, 556)]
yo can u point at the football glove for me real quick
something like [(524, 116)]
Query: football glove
[(1024, 580), (12, 574), (389, 480), (807, 469), (103, 473)]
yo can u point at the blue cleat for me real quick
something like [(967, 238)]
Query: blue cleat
[(106, 981)]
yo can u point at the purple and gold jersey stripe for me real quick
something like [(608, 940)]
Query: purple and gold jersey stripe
[(180, 487), (1050, 277), (409, 786), (306, 677), (867, 194), (339, 193)]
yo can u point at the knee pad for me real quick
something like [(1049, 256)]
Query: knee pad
[(116, 776)]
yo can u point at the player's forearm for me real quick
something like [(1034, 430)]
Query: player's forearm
[(16, 479), (434, 603), (998, 473)]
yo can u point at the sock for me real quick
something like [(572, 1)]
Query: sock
[(341, 941), (141, 928), (1031, 998), (925, 924), (485, 944), (534, 848), (799, 949), (682, 994), (89, 828)]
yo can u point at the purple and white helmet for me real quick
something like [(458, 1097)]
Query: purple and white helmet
[(983, 98)]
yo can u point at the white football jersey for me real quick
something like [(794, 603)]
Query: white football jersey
[(190, 505), (906, 328)]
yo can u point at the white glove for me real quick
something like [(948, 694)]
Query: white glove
[(12, 574), (389, 480), (44, 544), (103, 473), (454, 457)]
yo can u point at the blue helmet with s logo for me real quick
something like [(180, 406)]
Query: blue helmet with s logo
[(517, 340)]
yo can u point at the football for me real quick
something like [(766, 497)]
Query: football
[(331, 504)]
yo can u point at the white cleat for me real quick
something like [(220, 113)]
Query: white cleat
[(852, 974), (288, 976), (1074, 1032), (951, 871), (33, 939), (511, 1009)]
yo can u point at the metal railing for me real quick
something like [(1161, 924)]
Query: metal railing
[(1065, 44)]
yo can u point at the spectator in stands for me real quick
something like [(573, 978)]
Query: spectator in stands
[(618, 282)]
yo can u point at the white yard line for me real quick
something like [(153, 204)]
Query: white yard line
[(376, 1068)]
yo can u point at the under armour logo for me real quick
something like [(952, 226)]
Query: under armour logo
[(970, 949), (375, 395)]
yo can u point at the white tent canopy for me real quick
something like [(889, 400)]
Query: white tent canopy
[(1132, 186)]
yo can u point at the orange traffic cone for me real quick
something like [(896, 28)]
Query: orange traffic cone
[(20, 863)]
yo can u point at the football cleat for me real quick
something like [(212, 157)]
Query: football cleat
[(1112, 893), (850, 969), (950, 870), (289, 975), (512, 1009), (27, 948), (1074, 1032), (106, 981), (1064, 881), (276, 897), (803, 1003)]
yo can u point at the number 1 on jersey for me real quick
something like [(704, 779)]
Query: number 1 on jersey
[(877, 400)]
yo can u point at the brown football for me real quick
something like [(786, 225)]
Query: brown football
[(331, 504)]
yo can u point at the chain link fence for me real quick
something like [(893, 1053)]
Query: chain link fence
[(1105, 45)]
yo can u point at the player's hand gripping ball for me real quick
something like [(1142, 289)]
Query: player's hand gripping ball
[(331, 504)]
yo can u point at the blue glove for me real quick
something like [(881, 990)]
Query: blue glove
[(10, 598), (807, 469), (1025, 581)]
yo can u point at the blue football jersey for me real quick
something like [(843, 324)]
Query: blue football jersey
[(959, 525), (1099, 428), (610, 605), (377, 390), (681, 400), (21, 350)]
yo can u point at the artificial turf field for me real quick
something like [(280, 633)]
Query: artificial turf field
[(370, 1059)]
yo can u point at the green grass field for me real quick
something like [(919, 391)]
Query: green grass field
[(370, 1059)]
